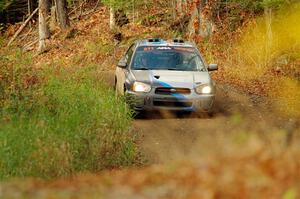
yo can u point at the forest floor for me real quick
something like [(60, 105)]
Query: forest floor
[(246, 150)]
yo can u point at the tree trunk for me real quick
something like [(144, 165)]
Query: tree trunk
[(30, 9), (199, 8), (62, 13), (269, 33), (268, 19), (43, 26), (112, 19), (53, 18), (174, 9)]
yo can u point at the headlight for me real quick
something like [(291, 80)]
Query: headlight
[(141, 87), (204, 89)]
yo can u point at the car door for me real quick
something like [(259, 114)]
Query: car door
[(121, 73)]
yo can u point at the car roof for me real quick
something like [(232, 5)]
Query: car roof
[(161, 42)]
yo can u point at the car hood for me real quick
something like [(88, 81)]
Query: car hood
[(167, 78)]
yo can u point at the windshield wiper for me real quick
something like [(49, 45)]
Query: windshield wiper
[(142, 68), (172, 68)]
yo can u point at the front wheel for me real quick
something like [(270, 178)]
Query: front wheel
[(208, 114), (139, 114)]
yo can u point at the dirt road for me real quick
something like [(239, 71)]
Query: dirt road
[(169, 136), (238, 153), (175, 136)]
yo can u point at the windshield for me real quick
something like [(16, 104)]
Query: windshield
[(167, 58)]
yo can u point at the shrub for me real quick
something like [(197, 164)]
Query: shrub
[(58, 122)]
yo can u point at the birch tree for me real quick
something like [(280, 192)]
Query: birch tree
[(269, 5), (112, 18)]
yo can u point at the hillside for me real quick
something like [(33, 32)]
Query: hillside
[(55, 143)]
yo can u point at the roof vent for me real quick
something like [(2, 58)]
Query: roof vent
[(181, 41), (154, 40)]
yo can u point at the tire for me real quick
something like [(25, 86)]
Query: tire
[(209, 114), (139, 115)]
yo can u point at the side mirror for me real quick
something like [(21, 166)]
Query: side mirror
[(122, 64), (212, 67)]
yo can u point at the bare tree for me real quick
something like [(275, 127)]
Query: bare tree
[(44, 32), (269, 34), (62, 13), (30, 9)]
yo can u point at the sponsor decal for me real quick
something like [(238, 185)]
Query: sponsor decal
[(184, 49), (164, 48), (148, 48)]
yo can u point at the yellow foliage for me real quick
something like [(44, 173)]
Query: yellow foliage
[(286, 93), (269, 52), (269, 41)]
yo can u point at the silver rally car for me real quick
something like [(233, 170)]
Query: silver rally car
[(158, 74)]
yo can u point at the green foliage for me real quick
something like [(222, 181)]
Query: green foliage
[(117, 4), (70, 2), (246, 5), (255, 5), (123, 4), (290, 194), (234, 13), (4, 4), (272, 3), (57, 122), (99, 47)]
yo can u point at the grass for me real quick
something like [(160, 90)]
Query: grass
[(59, 121), (98, 48)]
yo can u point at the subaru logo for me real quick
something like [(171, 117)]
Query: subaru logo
[(173, 90)]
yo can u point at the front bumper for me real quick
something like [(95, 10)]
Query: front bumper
[(177, 102)]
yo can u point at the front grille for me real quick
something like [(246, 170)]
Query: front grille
[(172, 104), (170, 91)]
